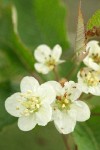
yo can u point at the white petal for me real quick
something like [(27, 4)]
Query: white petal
[(29, 83), (41, 68), (73, 89), (61, 61), (64, 122), (83, 87), (56, 53), (93, 47), (90, 63), (42, 53), (56, 86), (13, 106), (27, 123), (95, 90), (82, 110), (44, 115), (46, 93)]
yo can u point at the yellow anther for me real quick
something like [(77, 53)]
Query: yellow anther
[(92, 79), (29, 91), (37, 105), (66, 101), (31, 103), (17, 108), (18, 100), (63, 105)]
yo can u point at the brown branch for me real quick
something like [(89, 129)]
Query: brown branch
[(56, 74), (65, 139), (76, 147), (96, 114)]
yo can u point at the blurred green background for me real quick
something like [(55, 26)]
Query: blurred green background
[(49, 22)]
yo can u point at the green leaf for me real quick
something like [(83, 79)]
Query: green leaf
[(84, 138), (94, 20), (37, 22), (6, 89), (87, 135), (42, 21), (9, 38), (40, 138), (15, 61)]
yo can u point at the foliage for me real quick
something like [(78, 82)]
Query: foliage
[(94, 20), (39, 21)]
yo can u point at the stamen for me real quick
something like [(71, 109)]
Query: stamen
[(90, 77), (63, 102), (31, 103)]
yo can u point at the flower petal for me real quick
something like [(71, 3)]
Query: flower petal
[(29, 83), (13, 106), (94, 48), (46, 93), (82, 110), (90, 63), (64, 122), (73, 90), (42, 53), (56, 86), (44, 115), (84, 88), (27, 123), (41, 68), (95, 90), (56, 53)]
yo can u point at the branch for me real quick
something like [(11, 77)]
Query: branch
[(96, 114), (65, 139)]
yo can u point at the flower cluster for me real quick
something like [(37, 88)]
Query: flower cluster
[(40, 104), (52, 100), (89, 76)]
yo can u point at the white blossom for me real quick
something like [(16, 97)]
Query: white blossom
[(89, 81), (32, 104), (67, 109), (47, 58), (92, 60)]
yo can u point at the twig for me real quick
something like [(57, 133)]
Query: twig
[(96, 114), (89, 97), (76, 147), (36, 76), (56, 74), (65, 139)]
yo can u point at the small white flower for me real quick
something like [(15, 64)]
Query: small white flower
[(32, 105), (66, 108), (92, 60), (47, 58), (89, 81)]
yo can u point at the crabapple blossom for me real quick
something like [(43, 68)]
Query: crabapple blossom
[(67, 109), (47, 58), (92, 60), (32, 104), (89, 80)]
